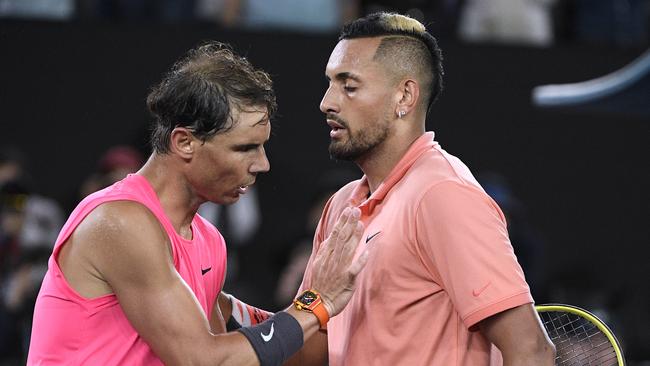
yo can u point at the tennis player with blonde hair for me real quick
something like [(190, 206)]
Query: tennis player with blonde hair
[(442, 285)]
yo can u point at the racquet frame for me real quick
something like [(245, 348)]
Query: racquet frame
[(591, 318)]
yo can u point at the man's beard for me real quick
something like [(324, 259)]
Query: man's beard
[(359, 143)]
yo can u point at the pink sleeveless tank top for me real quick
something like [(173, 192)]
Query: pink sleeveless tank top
[(69, 329)]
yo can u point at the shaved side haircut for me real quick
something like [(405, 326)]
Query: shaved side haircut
[(406, 48)]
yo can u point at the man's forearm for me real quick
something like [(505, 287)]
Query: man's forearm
[(314, 352), (237, 313)]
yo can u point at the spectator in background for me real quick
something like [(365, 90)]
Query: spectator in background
[(37, 9), (26, 219), (172, 11), (29, 223), (19, 293), (41, 217), (13, 199), (12, 162), (621, 22), (115, 164), (526, 22), (301, 15)]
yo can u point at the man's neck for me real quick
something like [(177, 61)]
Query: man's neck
[(379, 162), (176, 197)]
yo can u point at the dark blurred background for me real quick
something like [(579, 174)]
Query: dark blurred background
[(573, 181)]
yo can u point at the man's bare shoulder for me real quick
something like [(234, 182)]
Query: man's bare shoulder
[(117, 224), (120, 215), (115, 236)]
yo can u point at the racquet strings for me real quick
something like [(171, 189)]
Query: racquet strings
[(577, 340)]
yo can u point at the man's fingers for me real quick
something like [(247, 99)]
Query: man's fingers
[(351, 244), (355, 213), (340, 223), (332, 265), (324, 247), (331, 243), (358, 233), (349, 237), (348, 225), (348, 230), (351, 224), (361, 261)]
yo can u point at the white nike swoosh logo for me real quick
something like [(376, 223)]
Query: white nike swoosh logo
[(267, 337)]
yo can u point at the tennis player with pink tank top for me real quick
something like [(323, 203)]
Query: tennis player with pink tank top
[(101, 334), (135, 276)]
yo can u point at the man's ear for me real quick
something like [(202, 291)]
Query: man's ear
[(408, 96), (182, 142)]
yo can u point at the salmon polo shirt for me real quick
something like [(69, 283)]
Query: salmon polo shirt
[(440, 262)]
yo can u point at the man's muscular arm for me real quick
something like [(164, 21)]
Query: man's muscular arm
[(123, 244), (520, 336), (127, 247)]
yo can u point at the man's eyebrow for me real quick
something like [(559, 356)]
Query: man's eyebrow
[(343, 76), (264, 120)]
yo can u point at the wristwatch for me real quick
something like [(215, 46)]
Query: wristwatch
[(311, 301)]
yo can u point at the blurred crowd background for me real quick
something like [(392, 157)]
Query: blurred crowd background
[(572, 181), (535, 22)]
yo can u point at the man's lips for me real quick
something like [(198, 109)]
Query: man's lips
[(335, 125), (244, 188), (337, 128)]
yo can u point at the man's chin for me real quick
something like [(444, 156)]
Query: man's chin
[(341, 151), (227, 200), (342, 155)]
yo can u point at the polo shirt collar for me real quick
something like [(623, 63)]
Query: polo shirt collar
[(360, 194)]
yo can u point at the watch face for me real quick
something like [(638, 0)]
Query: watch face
[(307, 297)]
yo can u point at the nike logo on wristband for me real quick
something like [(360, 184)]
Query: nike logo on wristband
[(267, 337), (369, 238), (204, 271)]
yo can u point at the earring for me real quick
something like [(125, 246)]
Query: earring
[(400, 114)]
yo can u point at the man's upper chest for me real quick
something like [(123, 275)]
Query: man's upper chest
[(395, 265)]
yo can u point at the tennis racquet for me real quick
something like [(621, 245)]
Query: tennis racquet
[(580, 338)]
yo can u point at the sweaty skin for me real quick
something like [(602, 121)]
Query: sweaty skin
[(120, 248)]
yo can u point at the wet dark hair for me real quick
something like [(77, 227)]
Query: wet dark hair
[(406, 44), (200, 91)]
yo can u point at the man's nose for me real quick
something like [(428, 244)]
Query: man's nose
[(328, 103), (261, 164)]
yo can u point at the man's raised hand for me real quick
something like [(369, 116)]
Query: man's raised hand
[(335, 267)]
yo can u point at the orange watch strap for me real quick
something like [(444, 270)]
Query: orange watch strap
[(321, 313)]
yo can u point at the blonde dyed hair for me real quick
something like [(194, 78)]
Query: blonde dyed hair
[(402, 23), (406, 48)]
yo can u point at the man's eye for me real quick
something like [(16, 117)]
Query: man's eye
[(349, 88), (245, 148)]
